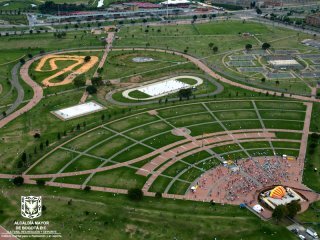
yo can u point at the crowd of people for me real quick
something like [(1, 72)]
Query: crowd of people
[(237, 181)]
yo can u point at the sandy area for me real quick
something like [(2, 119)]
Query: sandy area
[(79, 60)]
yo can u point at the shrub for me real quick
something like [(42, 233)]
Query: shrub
[(135, 194)]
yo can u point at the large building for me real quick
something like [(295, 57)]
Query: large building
[(313, 20)]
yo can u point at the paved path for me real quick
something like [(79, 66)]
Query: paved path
[(261, 122), (305, 135), (100, 65), (108, 47), (5, 235), (37, 89), (14, 80), (217, 76), (158, 151), (38, 94)]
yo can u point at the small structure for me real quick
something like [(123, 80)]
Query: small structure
[(311, 43), (176, 3), (285, 64), (258, 208), (279, 196), (313, 20), (78, 110)]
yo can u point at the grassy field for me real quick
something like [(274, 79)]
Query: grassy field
[(14, 19), (97, 214), (123, 133), (143, 133), (195, 39)]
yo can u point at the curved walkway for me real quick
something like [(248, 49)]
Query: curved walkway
[(215, 75), (109, 98), (163, 150), (38, 92), (37, 89), (17, 86)]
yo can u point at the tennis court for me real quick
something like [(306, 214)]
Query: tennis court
[(242, 57), (241, 63), (251, 69), (279, 75)]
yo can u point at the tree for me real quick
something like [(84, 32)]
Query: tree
[(265, 46), (185, 93), (40, 182), (22, 61), (135, 194), (79, 81), (97, 81), (211, 45), (158, 195), (248, 46), (258, 10), (59, 136), (87, 188), (18, 181), (47, 143), (293, 208), (37, 135), (279, 212), (277, 82), (215, 49), (263, 80), (91, 89), (194, 17), (41, 146), (87, 58), (24, 157)]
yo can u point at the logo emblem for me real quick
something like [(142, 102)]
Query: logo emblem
[(31, 206)]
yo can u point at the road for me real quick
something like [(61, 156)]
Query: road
[(18, 88), (37, 90)]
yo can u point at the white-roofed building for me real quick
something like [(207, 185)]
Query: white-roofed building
[(179, 3)]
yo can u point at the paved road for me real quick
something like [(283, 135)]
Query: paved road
[(17, 86), (38, 94)]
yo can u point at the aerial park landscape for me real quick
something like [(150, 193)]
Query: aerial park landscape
[(184, 129)]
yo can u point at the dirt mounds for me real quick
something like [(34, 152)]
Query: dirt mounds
[(79, 60)]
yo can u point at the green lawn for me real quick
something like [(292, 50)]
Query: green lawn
[(123, 177), (118, 218), (310, 177)]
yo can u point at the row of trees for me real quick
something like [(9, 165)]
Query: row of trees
[(265, 46), (51, 7), (289, 210)]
